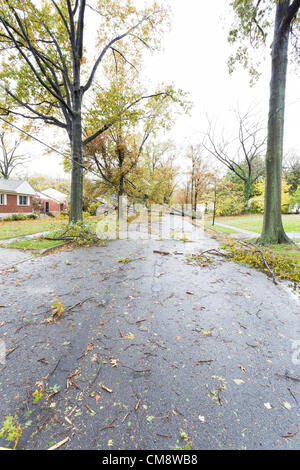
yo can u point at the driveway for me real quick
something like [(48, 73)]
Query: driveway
[(153, 351)]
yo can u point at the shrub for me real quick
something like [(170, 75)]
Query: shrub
[(63, 215), (11, 429), (18, 216), (230, 205), (256, 205), (92, 209)]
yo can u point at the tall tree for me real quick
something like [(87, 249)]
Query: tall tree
[(47, 71), (9, 158), (200, 176), (157, 172), (194, 154), (116, 154), (253, 22), (243, 154)]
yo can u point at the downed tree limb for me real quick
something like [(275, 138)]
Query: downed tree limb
[(258, 250), (78, 304), (275, 265), (164, 253), (79, 233), (11, 350), (213, 251), (288, 377)]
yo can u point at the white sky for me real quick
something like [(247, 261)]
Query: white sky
[(195, 59)]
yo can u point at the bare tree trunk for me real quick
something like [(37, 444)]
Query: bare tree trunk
[(273, 231), (215, 204), (195, 200), (192, 189), (77, 162), (121, 212), (187, 193)]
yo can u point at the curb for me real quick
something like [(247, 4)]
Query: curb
[(51, 248)]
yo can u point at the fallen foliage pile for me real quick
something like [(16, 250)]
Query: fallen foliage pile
[(81, 234), (264, 259)]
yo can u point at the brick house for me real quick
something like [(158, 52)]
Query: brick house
[(51, 201), (15, 196)]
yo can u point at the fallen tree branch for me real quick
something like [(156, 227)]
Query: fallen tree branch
[(68, 309), (288, 377), (258, 250), (213, 251)]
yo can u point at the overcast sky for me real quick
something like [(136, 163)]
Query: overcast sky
[(195, 59)]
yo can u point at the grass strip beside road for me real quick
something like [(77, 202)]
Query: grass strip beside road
[(21, 228), (33, 244), (254, 223)]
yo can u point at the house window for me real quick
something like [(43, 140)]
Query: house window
[(2, 199), (23, 200)]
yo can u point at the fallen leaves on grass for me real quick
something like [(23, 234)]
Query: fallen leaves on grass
[(264, 259)]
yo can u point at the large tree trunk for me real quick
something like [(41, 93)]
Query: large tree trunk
[(122, 211), (77, 170), (273, 231), (195, 200)]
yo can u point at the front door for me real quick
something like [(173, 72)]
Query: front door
[(47, 207)]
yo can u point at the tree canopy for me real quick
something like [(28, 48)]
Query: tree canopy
[(49, 69)]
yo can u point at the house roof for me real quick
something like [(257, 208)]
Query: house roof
[(16, 187), (41, 195), (54, 194)]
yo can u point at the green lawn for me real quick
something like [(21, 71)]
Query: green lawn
[(21, 228), (289, 250), (220, 229), (284, 249), (35, 244), (253, 223), (29, 227)]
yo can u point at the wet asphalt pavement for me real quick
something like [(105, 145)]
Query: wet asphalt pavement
[(156, 350)]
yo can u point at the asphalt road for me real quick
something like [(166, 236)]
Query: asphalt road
[(158, 352)]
